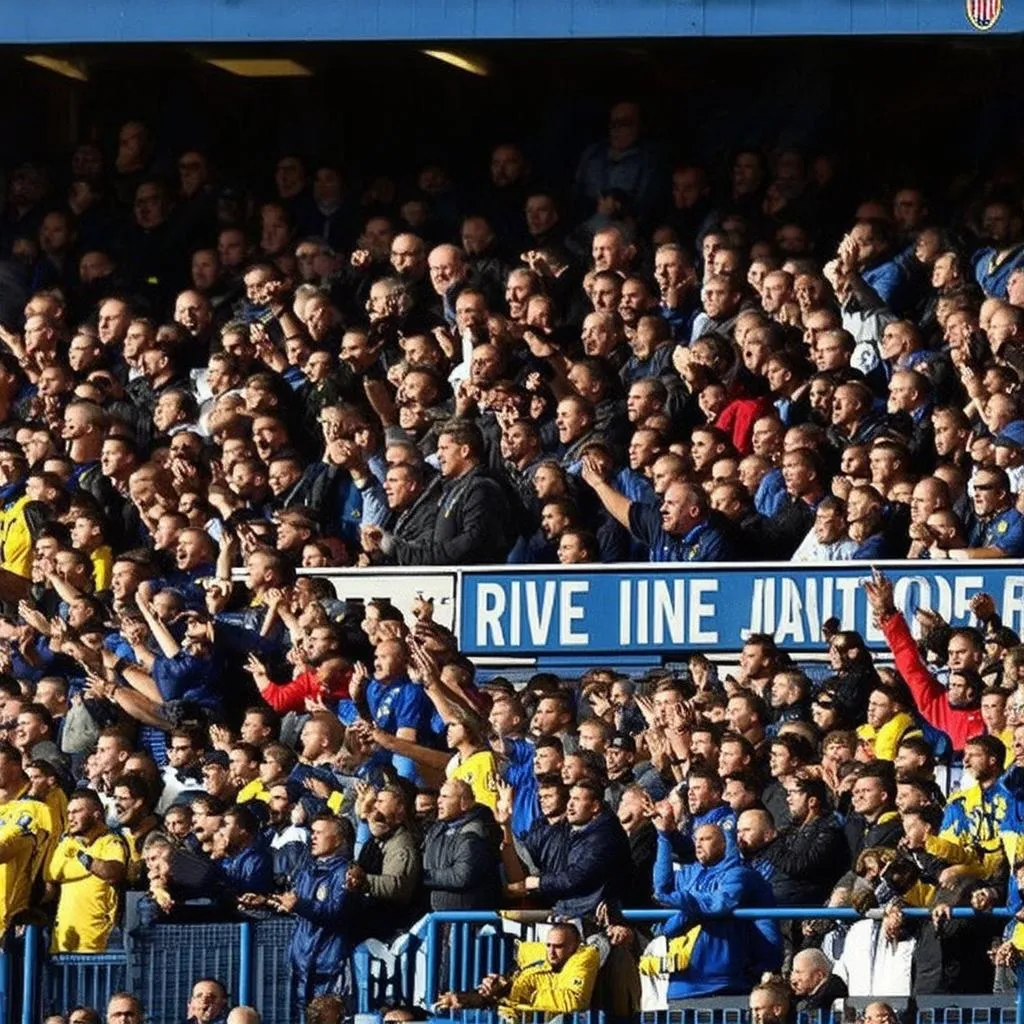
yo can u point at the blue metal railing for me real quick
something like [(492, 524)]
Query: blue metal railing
[(250, 958), (464, 978)]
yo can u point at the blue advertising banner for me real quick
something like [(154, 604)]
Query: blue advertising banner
[(665, 611), (252, 21)]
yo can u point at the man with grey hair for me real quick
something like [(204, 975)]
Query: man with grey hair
[(813, 984), (448, 271)]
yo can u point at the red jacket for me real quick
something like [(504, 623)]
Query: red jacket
[(959, 724), (737, 419), (285, 697)]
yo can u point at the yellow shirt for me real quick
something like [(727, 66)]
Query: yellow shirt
[(254, 790), (16, 539), (87, 908), (480, 770), (885, 740), (1007, 739), (538, 988), (102, 567), (133, 844), (25, 830)]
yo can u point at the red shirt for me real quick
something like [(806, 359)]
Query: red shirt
[(959, 724), (285, 697)]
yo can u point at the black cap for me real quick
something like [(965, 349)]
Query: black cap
[(218, 757), (622, 741)]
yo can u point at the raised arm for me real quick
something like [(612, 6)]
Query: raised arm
[(616, 503)]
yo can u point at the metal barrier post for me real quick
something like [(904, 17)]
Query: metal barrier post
[(30, 976), (361, 977), (430, 988), (246, 963), (5, 986), (1020, 991)]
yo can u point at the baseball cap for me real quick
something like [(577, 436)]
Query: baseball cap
[(217, 757), (622, 741)]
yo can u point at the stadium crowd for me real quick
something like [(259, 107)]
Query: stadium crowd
[(358, 798), (651, 364), (199, 381)]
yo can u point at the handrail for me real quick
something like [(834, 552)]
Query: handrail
[(439, 917), (429, 930)]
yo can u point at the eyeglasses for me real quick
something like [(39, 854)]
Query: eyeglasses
[(986, 487)]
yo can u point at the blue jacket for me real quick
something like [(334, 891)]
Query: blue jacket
[(595, 865), (249, 870), (728, 954), (321, 940), (519, 774)]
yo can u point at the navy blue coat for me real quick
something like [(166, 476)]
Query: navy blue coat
[(592, 863), (321, 941)]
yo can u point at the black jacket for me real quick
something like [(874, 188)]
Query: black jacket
[(643, 848), (833, 988), (861, 835), (414, 526), (784, 531), (461, 862), (809, 859), (471, 528)]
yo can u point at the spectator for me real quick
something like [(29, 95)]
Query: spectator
[(388, 866), (88, 867), (460, 853), (812, 982), (720, 950), (560, 983), (769, 1003), (955, 711), (124, 1008), (322, 939), (208, 1003)]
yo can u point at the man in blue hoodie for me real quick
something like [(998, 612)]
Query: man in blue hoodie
[(723, 955)]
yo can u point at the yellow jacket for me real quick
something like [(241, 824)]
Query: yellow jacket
[(885, 741), (16, 539), (26, 828), (537, 988)]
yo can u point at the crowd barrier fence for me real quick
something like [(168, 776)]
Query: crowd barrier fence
[(446, 950)]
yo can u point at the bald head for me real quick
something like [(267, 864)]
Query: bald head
[(454, 800), (244, 1015), (755, 829)]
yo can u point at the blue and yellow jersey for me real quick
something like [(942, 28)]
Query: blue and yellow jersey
[(974, 818)]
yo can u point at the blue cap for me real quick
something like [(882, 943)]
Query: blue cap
[(1012, 435)]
